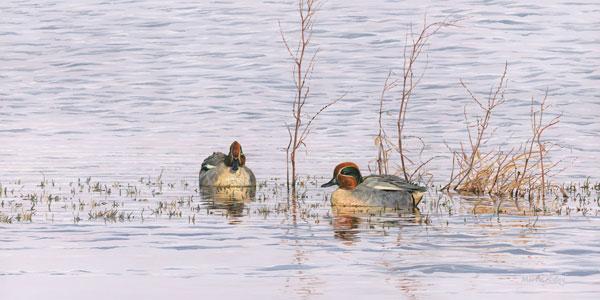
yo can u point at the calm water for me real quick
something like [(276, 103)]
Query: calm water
[(120, 91)]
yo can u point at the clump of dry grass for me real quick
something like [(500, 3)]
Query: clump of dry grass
[(518, 171)]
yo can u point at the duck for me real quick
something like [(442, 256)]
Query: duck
[(373, 190), (220, 170)]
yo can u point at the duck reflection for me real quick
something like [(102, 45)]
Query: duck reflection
[(348, 222), (346, 227), (230, 199)]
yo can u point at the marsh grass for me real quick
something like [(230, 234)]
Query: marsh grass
[(28, 203), (518, 171), (523, 170)]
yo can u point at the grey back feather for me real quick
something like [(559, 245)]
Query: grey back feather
[(391, 183), (213, 161)]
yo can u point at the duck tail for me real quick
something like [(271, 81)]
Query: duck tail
[(417, 196)]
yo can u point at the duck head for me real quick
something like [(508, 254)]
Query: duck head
[(236, 157), (346, 175)]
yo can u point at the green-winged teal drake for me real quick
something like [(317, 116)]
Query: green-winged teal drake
[(227, 170), (373, 190)]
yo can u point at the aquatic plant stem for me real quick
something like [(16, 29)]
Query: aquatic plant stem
[(302, 73), (409, 82), (411, 52), (483, 124)]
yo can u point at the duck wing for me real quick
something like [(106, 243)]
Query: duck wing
[(391, 183), (213, 161)]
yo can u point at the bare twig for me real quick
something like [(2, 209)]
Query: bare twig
[(382, 157), (302, 74), (493, 102), (408, 80), (411, 54), (518, 172)]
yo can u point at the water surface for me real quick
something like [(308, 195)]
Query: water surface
[(120, 91)]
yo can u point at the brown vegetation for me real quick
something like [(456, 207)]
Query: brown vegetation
[(409, 80), (301, 75), (518, 171)]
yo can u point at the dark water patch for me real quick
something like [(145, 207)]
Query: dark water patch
[(507, 22), (13, 273), (197, 247), (106, 247), (69, 231), (16, 248), (466, 237), (295, 267), (580, 3), (237, 238), (44, 238), (188, 234), (136, 270), (469, 269), (355, 35), (154, 24), (300, 237), (128, 233), (175, 269), (518, 252), (378, 250), (16, 130), (577, 252), (407, 248), (384, 42), (107, 239), (525, 14), (324, 247), (582, 273)]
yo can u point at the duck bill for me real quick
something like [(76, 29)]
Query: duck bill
[(235, 164), (331, 182)]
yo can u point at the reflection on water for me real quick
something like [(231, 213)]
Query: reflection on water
[(310, 245), (497, 204), (348, 222), (345, 226), (231, 199)]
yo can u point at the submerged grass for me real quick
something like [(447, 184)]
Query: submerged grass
[(20, 203)]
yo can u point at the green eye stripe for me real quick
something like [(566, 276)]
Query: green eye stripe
[(351, 171)]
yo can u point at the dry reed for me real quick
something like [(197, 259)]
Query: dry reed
[(301, 75), (519, 171), (409, 80)]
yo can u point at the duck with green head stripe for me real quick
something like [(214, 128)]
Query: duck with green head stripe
[(373, 190), (227, 170)]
